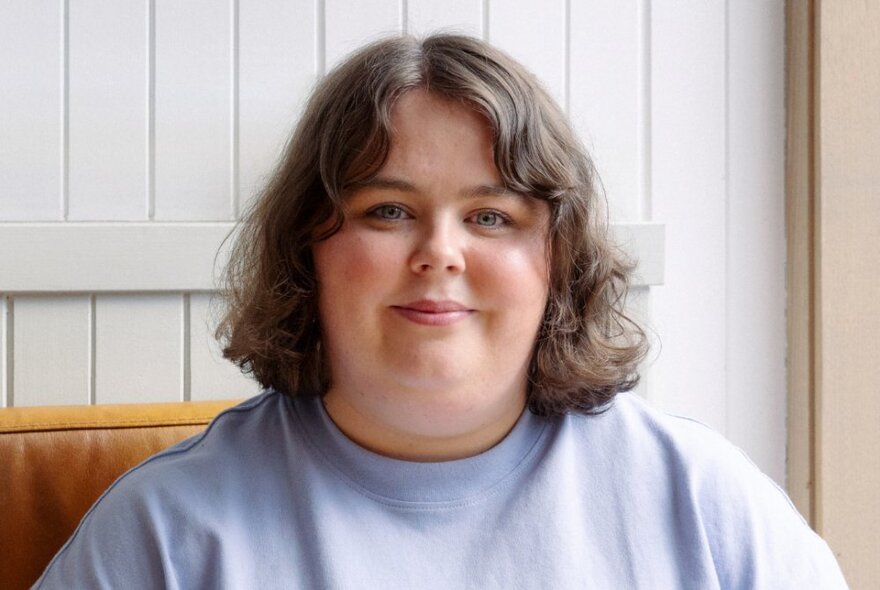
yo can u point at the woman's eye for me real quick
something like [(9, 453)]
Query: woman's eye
[(390, 212), (489, 219)]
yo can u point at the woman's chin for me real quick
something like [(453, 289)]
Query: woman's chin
[(431, 373), (434, 385)]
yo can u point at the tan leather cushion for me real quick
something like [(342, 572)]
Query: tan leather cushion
[(56, 461)]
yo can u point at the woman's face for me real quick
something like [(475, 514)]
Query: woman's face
[(432, 292)]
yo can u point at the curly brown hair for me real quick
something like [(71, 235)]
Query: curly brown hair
[(587, 349)]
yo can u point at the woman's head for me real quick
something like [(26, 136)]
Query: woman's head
[(585, 349)]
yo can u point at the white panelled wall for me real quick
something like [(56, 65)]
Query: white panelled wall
[(153, 123)]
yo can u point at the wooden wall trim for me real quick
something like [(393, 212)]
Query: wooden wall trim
[(800, 218), (833, 223), (847, 317)]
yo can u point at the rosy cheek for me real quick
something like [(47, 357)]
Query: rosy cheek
[(514, 277), (360, 260)]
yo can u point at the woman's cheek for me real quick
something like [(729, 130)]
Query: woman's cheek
[(517, 276), (368, 259)]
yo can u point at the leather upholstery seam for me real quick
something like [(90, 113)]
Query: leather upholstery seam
[(109, 425)]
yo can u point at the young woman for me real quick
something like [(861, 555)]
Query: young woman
[(427, 292)]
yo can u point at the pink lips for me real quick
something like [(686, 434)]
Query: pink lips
[(433, 313)]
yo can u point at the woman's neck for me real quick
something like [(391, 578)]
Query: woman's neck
[(419, 433)]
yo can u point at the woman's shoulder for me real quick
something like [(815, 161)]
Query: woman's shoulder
[(753, 530), (201, 470), (227, 445), (226, 436), (682, 451), (631, 424), (187, 492)]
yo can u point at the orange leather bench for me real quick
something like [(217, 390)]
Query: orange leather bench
[(56, 461)]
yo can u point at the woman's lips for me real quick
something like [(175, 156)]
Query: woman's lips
[(433, 313)]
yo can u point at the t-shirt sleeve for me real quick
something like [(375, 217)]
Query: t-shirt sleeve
[(757, 537)]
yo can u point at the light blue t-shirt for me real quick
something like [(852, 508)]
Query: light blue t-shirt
[(273, 495)]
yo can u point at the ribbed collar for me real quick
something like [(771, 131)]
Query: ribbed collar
[(461, 480)]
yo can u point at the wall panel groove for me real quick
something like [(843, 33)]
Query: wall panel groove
[(645, 209), (320, 37), (65, 109), (151, 110), (404, 16), (728, 241), (93, 348), (7, 326), (185, 348), (566, 58), (234, 163)]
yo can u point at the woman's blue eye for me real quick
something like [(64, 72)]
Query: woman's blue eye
[(388, 212), (488, 219)]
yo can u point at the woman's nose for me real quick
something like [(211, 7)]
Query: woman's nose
[(439, 248)]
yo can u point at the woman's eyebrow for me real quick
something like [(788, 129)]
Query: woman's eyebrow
[(490, 190), (397, 184), (385, 183)]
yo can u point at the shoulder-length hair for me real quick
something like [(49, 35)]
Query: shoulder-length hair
[(587, 349)]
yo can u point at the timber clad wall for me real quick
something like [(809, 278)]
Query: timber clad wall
[(834, 246), (133, 134)]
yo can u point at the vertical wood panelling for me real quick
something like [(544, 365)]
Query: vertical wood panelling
[(756, 382), (461, 16), (108, 110), (688, 192), (213, 377), (51, 350), (31, 110), (348, 25), (138, 348), (193, 110), (604, 97), (276, 70), (535, 34)]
